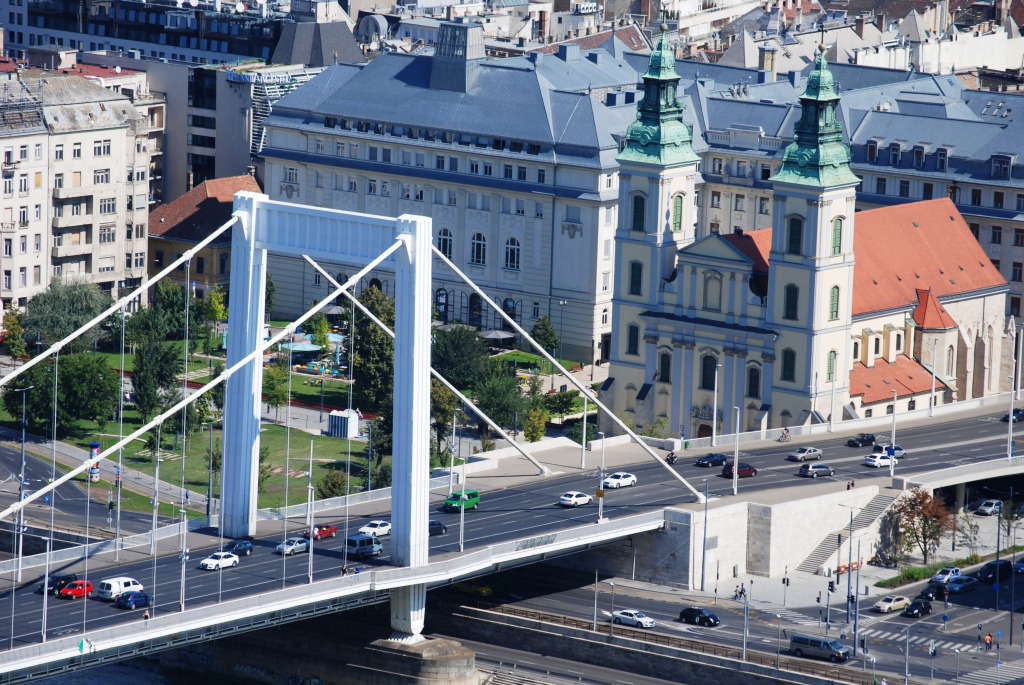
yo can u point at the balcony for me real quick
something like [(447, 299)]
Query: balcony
[(66, 193), (67, 221), (67, 250)]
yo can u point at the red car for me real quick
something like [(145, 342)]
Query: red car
[(745, 470), (326, 531), (76, 590)]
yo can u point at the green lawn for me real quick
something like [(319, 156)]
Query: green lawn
[(527, 358)]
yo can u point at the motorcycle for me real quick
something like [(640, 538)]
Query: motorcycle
[(671, 458)]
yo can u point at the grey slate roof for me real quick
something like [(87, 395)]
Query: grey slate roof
[(72, 103), (316, 44)]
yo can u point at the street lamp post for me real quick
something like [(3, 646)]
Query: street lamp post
[(704, 553), (21, 483), (462, 508), (735, 454), (714, 409), (892, 457), (209, 482), (611, 626), (1009, 425), (935, 369), (778, 640), (561, 328), (600, 482)]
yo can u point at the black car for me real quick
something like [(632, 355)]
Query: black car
[(992, 571), (861, 440), (56, 582), (932, 591), (242, 548), (698, 617), (133, 600), (1018, 415), (437, 528), (918, 608), (711, 459)]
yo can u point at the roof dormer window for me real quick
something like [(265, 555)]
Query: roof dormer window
[(1001, 167)]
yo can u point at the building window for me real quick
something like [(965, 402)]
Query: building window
[(639, 209), (762, 205), (108, 205), (739, 203), (791, 302), (223, 264), (101, 176), (795, 238), (878, 346), (997, 235), (868, 413), (837, 236), (856, 351), (712, 293), (1000, 167), (708, 366), (788, 365), (918, 156), (872, 151), (927, 191), (512, 254), (604, 316), (444, 242), (520, 173), (58, 152), (76, 151), (716, 165), (665, 367), (101, 148), (1020, 203), (1015, 272), (636, 278), (997, 200), (316, 279), (975, 230), (894, 154), (441, 304), (753, 382), (889, 409), (880, 186), (478, 249), (904, 188), (542, 176), (833, 303), (716, 198), (633, 339), (107, 235), (1014, 306), (830, 371), (941, 159), (975, 197), (677, 212), (291, 175)]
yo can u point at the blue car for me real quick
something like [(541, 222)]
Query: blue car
[(134, 600)]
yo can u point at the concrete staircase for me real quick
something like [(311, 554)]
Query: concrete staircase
[(827, 547)]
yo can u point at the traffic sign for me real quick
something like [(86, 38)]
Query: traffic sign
[(945, 618), (891, 451), (995, 587)]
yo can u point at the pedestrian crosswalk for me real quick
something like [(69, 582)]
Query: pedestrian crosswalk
[(795, 617), (1008, 673), (918, 640)]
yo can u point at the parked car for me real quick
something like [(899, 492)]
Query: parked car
[(918, 608), (56, 582), (378, 528), (815, 470), (436, 528), (745, 471), (619, 479), (474, 587), (962, 584), (238, 547), (887, 605), (575, 499), (804, 454), (633, 617), (76, 589), (878, 460), (861, 440), (711, 459), (292, 546), (325, 530), (219, 560), (945, 575), (995, 571), (699, 617), (134, 600), (897, 451), (990, 507)]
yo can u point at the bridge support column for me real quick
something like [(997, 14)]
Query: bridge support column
[(408, 608), (961, 498)]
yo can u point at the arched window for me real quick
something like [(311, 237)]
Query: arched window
[(795, 237), (341, 299), (830, 372), (509, 306), (878, 346), (713, 293), (949, 361), (636, 278), (899, 342), (375, 283), (788, 365), (478, 249), (753, 382), (833, 303), (512, 254), (604, 316), (633, 339), (444, 242), (708, 363), (837, 236), (856, 352), (665, 367), (677, 213), (791, 302), (639, 210), (441, 304), (475, 310)]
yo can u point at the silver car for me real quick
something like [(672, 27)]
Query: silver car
[(804, 454), (292, 546)]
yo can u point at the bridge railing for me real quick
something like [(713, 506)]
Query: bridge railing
[(339, 502), (203, 622)]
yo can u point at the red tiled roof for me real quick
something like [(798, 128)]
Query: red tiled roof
[(197, 213), (8, 65), (903, 248), (754, 244), (905, 376), (930, 314)]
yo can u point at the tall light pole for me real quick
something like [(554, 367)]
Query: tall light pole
[(611, 626), (704, 553), (735, 456), (600, 481), (1009, 424), (935, 370), (209, 482), (21, 484), (561, 328), (714, 408), (778, 640), (310, 497), (892, 457), (462, 509)]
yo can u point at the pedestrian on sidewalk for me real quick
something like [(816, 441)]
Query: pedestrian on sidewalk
[(743, 590), (145, 617), (847, 485), (736, 593), (988, 642), (344, 570)]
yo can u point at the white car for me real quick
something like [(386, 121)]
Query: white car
[(633, 617), (218, 560), (878, 460), (897, 451), (619, 479), (575, 499), (990, 507), (947, 574), (377, 528), (292, 546)]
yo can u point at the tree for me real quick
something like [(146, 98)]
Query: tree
[(535, 394), (319, 328), (535, 425), (382, 476), (575, 432), (155, 367), (170, 305), (443, 404), (381, 435), (215, 309), (561, 403), (264, 470), (180, 423), (88, 389), (968, 532), (497, 394), (544, 333), (922, 519), (217, 394), (269, 296), (218, 454), (61, 309), (374, 365), (459, 354), (14, 333), (275, 382), (334, 484), (144, 324)]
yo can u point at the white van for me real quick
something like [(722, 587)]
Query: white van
[(112, 588)]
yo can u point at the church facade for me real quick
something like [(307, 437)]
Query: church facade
[(830, 314)]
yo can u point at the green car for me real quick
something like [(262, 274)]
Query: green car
[(470, 499)]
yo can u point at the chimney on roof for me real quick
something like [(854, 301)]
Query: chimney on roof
[(766, 61), (860, 23), (880, 21), (789, 4), (459, 48)]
